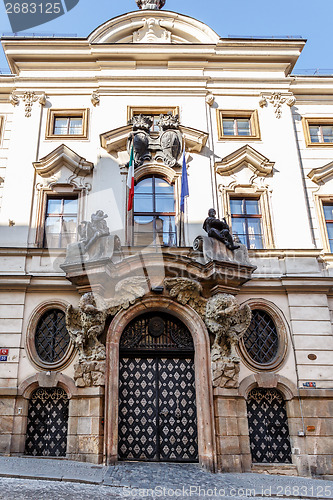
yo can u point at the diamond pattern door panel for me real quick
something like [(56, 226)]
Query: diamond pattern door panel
[(47, 423), (157, 411), (137, 430), (177, 410), (268, 427)]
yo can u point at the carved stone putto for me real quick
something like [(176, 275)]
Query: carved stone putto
[(95, 242), (226, 321), (166, 147), (90, 232)]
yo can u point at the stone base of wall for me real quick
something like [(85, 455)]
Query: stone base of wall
[(281, 470), (85, 426), (232, 441), (7, 412), (312, 454), (85, 436)]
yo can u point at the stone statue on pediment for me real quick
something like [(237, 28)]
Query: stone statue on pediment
[(219, 229), (90, 232), (150, 4)]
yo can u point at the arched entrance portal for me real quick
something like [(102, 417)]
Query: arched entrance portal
[(157, 403), (203, 382)]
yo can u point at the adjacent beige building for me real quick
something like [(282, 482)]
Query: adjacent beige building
[(146, 383)]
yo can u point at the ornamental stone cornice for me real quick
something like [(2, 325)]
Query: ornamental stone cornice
[(105, 51), (320, 175), (245, 157), (63, 156)]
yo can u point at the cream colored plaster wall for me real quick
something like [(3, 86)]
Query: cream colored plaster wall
[(312, 330), (313, 157), (11, 319), (18, 188), (288, 203), (6, 114)]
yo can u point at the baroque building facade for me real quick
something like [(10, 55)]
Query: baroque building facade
[(140, 334)]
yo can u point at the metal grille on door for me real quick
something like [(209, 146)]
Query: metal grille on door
[(268, 427), (157, 410), (47, 423)]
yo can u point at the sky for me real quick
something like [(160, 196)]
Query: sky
[(305, 18)]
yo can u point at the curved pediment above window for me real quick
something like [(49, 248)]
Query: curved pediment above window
[(158, 170), (150, 26), (245, 157), (320, 175), (115, 140), (60, 157)]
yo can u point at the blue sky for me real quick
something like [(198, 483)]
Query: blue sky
[(311, 20)]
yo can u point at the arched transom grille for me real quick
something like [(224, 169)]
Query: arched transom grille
[(156, 331), (261, 338), (51, 337)]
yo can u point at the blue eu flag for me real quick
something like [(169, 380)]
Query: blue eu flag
[(184, 190)]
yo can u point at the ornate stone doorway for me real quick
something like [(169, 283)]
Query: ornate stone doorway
[(157, 403), (181, 360)]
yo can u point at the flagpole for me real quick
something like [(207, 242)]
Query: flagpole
[(183, 195), (130, 190)]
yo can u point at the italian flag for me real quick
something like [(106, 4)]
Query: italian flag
[(130, 181)]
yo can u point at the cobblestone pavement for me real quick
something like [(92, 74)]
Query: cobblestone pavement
[(144, 480)]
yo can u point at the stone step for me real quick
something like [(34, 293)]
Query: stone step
[(280, 469)]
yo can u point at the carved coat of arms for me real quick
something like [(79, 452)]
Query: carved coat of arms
[(166, 145)]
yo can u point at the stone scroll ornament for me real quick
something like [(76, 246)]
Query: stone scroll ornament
[(166, 146), (87, 322), (226, 321)]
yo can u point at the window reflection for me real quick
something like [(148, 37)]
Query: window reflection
[(154, 213), (60, 222), (246, 221)]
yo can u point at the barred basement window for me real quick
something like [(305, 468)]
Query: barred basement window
[(52, 338), (261, 339)]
